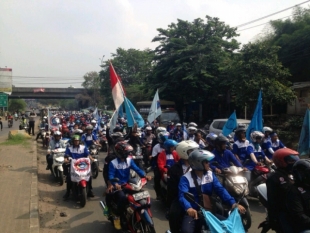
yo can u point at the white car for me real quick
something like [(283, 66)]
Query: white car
[(218, 124)]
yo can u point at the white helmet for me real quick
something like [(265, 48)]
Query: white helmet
[(57, 133), (148, 128), (192, 124), (93, 122), (178, 124), (162, 137), (255, 135), (267, 129), (184, 146), (192, 128), (160, 129)]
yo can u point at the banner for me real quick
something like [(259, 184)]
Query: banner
[(257, 119), (96, 115), (6, 80), (230, 124), (53, 121), (155, 109), (304, 139), (132, 115), (80, 169)]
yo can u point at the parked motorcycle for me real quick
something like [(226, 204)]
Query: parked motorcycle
[(138, 212), (237, 186), (80, 171), (57, 168)]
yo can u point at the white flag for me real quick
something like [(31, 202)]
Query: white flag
[(113, 121), (155, 109)]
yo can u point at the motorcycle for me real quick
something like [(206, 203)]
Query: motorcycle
[(138, 157), (138, 212), (46, 138), (57, 168), (94, 152), (80, 172), (24, 126), (237, 187), (104, 142), (10, 122)]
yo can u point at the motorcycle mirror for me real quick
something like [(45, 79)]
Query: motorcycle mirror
[(189, 197)]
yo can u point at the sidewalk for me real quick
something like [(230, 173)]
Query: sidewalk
[(19, 192)]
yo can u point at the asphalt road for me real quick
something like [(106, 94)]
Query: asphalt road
[(6, 129), (90, 218)]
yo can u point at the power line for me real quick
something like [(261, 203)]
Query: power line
[(267, 16)]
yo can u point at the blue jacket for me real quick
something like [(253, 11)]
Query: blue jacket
[(88, 140), (239, 148), (259, 154), (224, 160), (121, 170), (209, 184), (275, 146), (77, 152)]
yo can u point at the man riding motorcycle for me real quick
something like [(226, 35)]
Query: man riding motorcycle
[(55, 143), (241, 144), (277, 185), (201, 182), (120, 168), (177, 133), (89, 138), (273, 145), (175, 173)]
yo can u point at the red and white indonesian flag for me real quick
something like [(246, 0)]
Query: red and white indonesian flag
[(117, 89)]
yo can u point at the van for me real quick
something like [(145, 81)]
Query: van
[(168, 115), (218, 124)]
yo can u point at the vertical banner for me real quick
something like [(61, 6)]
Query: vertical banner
[(155, 109)]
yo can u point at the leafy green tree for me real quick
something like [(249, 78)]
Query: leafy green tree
[(132, 66), (257, 66), (293, 37), (17, 105), (190, 59), (92, 86)]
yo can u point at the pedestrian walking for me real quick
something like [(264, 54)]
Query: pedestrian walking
[(31, 123)]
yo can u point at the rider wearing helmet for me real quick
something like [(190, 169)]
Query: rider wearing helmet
[(241, 144), (211, 141), (222, 156), (170, 126), (298, 197), (167, 157), (120, 168), (273, 145), (95, 126), (177, 133), (175, 173), (89, 138), (200, 178), (277, 185), (191, 133), (71, 123), (55, 143)]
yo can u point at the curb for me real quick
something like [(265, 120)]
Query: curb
[(33, 207)]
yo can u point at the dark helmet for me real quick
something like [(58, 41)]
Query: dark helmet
[(123, 149), (117, 129), (197, 157), (221, 139), (301, 172), (211, 138), (240, 129), (284, 156)]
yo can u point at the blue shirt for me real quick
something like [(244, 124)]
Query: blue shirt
[(209, 184), (121, 170), (224, 159), (77, 152), (274, 146), (239, 148), (259, 154), (88, 140)]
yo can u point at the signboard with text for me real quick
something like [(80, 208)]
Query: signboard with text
[(3, 100)]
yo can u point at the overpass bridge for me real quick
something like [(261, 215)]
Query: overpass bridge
[(44, 93)]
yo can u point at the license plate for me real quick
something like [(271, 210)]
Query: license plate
[(239, 179), (142, 195)]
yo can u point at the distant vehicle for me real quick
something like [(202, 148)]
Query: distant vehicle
[(144, 106), (218, 124), (168, 115)]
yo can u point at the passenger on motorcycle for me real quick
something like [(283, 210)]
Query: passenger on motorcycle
[(170, 126), (95, 127), (199, 140), (77, 151), (71, 123), (191, 133), (298, 198), (266, 131), (120, 168), (177, 133), (278, 184), (148, 137), (55, 143), (273, 145), (175, 173), (167, 158), (89, 138), (241, 144), (201, 182), (222, 156)]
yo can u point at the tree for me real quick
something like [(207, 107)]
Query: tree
[(293, 37), (257, 66), (190, 59), (132, 66), (17, 105), (92, 86)]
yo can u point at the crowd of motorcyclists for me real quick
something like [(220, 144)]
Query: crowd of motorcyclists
[(184, 160)]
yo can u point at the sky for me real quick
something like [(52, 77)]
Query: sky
[(54, 43)]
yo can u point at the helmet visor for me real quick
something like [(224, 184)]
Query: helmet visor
[(291, 159)]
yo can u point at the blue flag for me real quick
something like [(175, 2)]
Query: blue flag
[(230, 124), (96, 115), (132, 114), (257, 119), (304, 140), (120, 111)]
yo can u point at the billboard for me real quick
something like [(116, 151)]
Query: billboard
[(6, 80)]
